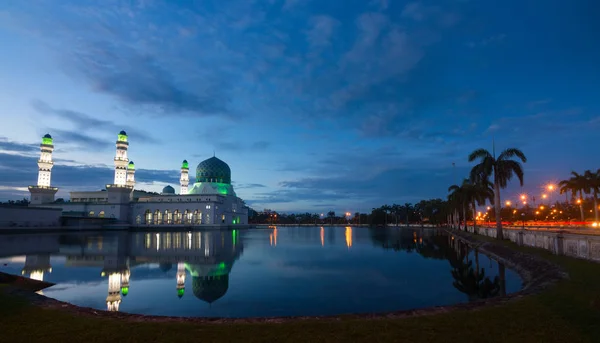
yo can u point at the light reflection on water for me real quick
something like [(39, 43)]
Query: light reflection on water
[(278, 271)]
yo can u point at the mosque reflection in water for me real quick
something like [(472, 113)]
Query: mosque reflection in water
[(205, 256), (442, 270)]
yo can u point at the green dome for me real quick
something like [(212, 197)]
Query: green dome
[(124, 291), (168, 190), (131, 165), (180, 292), (47, 139), (213, 170), (185, 164), (210, 288)]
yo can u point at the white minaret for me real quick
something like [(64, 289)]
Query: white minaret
[(121, 160), (180, 279), (131, 174), (184, 181), (45, 163), (44, 193), (113, 300)]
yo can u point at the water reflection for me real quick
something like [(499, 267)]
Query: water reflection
[(468, 278), (285, 271)]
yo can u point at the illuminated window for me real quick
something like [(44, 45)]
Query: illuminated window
[(101, 214), (91, 214)]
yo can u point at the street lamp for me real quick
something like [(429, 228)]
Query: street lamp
[(508, 203)]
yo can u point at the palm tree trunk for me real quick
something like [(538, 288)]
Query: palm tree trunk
[(476, 262), (581, 205), (499, 234), (502, 277), (465, 216), (595, 205), (474, 217)]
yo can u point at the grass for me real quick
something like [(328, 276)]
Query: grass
[(567, 312)]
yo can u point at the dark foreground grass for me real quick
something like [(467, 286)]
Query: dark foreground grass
[(567, 312)]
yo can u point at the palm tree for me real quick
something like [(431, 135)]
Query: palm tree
[(458, 201), (461, 199), (576, 184), (593, 184), (477, 192), (503, 168)]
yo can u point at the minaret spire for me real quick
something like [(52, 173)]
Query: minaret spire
[(184, 180), (121, 160)]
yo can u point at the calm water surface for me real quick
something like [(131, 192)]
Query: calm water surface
[(258, 272)]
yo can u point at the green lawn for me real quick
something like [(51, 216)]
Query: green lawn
[(567, 312)]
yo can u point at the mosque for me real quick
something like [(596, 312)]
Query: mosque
[(210, 202)]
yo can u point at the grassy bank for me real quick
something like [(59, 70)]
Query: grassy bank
[(567, 312)]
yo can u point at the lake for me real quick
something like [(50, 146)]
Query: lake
[(283, 271)]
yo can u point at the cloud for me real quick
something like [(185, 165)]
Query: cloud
[(15, 147), (87, 123), (420, 13), (321, 31), (537, 103), (487, 41), (249, 185), (138, 79)]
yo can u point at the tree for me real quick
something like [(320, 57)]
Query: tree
[(458, 198), (477, 192), (331, 215), (576, 184), (502, 168)]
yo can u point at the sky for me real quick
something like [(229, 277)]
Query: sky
[(315, 105)]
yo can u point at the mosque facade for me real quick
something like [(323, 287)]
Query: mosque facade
[(210, 201)]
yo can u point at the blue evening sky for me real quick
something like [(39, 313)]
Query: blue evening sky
[(315, 105)]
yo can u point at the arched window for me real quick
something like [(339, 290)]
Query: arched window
[(168, 217), (138, 219), (187, 217), (177, 216), (157, 217), (148, 217), (101, 214), (91, 214)]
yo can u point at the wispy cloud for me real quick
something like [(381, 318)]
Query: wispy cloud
[(87, 123)]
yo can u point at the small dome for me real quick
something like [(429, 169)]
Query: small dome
[(123, 133), (131, 165), (185, 164), (180, 292), (168, 190), (47, 136), (124, 291), (213, 170)]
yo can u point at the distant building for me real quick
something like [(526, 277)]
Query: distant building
[(211, 201)]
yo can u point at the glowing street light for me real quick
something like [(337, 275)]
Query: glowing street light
[(550, 187), (544, 196), (489, 208), (523, 197), (508, 203)]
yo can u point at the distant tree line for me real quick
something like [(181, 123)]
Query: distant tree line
[(432, 211)]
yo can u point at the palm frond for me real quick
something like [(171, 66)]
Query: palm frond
[(479, 154), (512, 152)]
